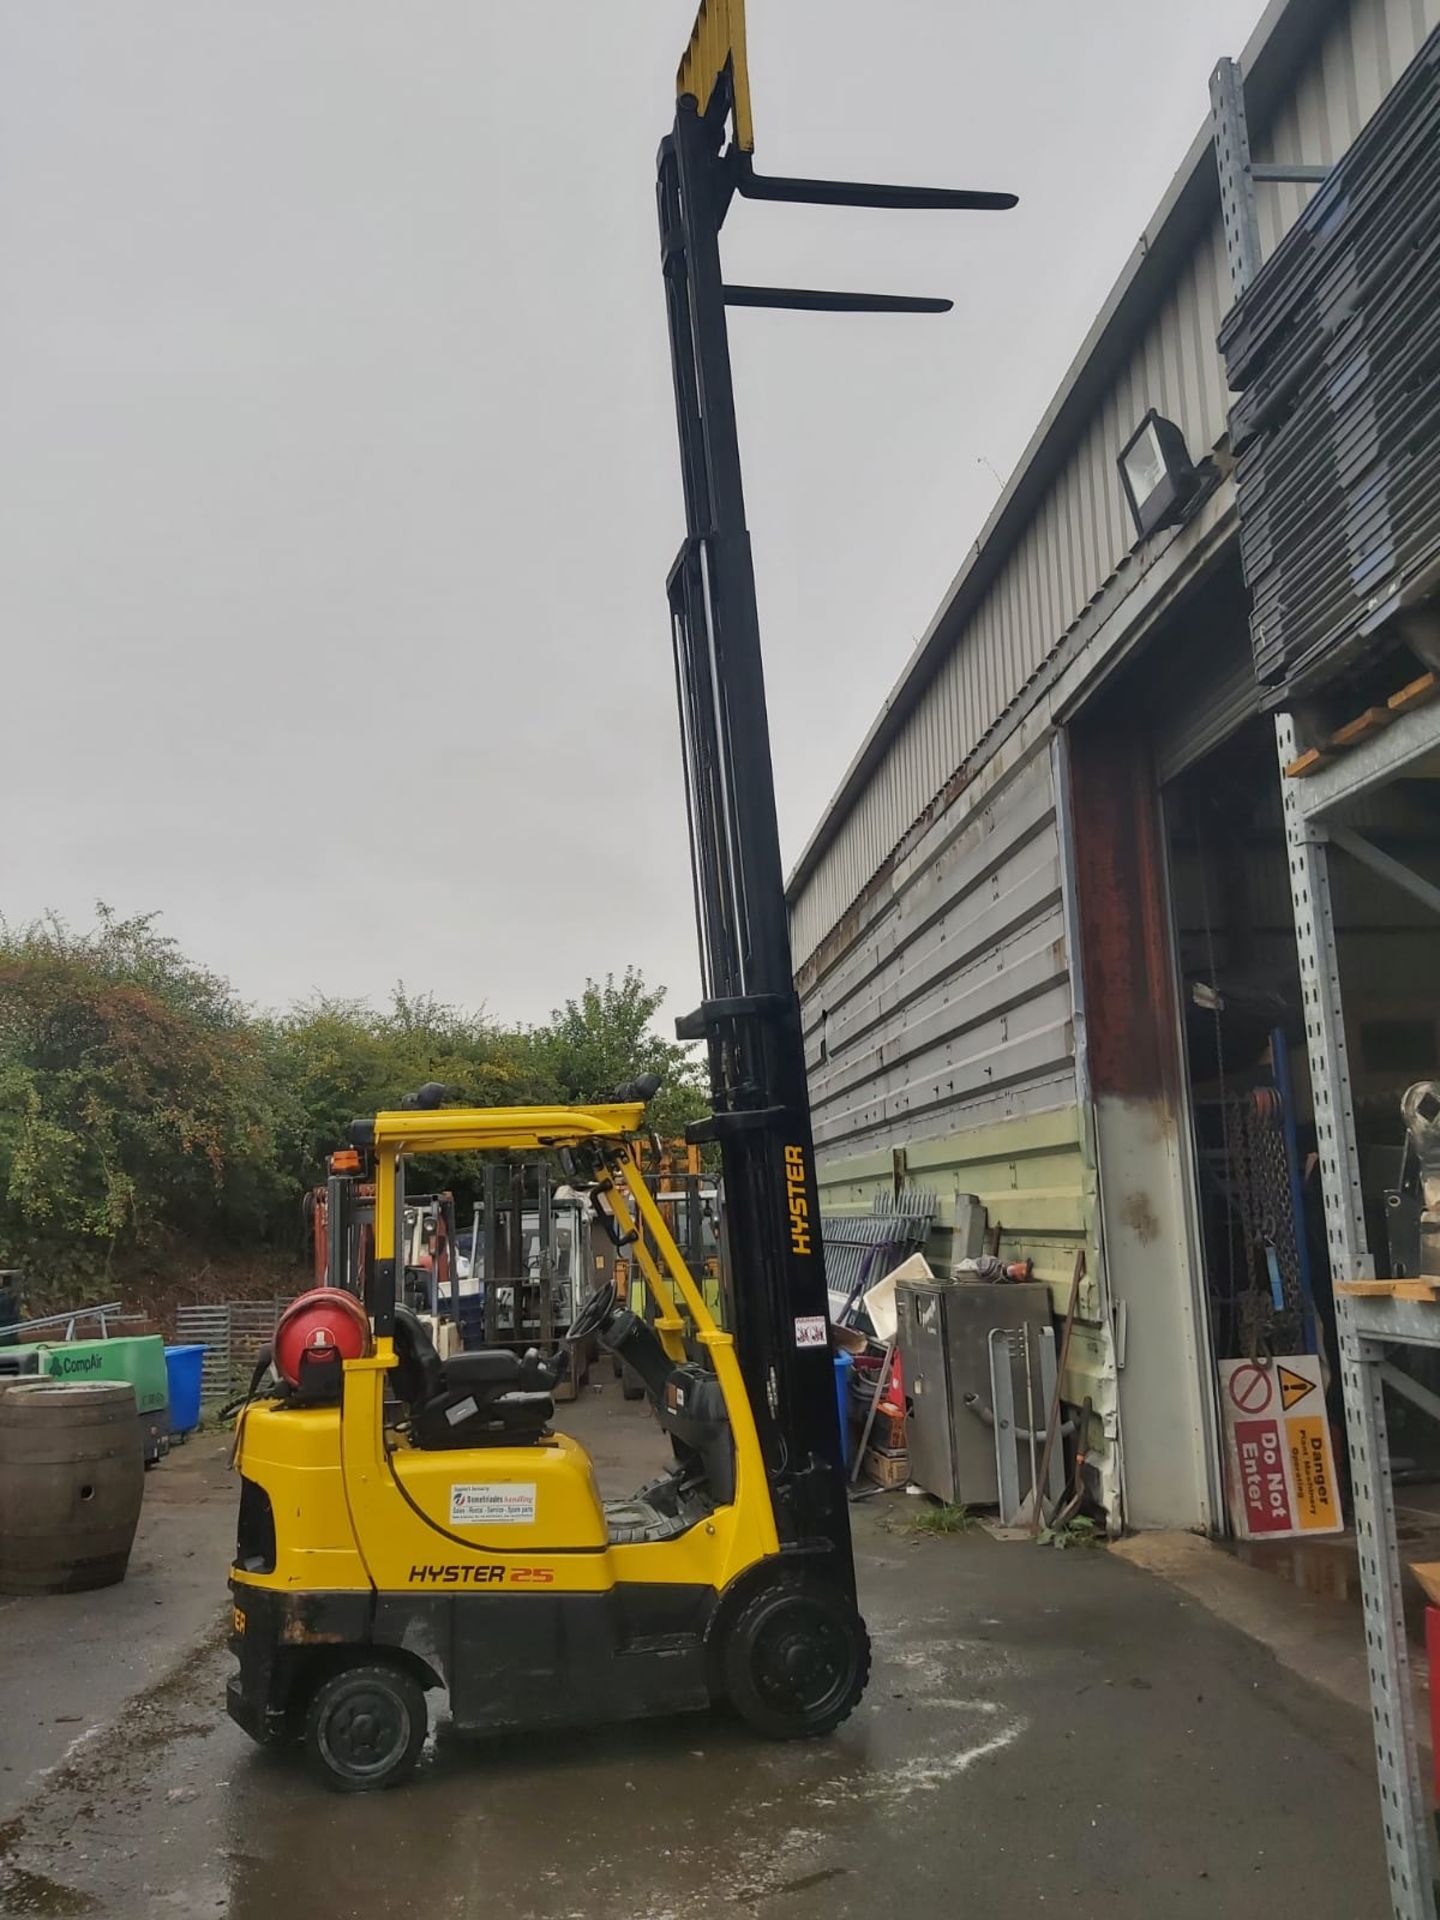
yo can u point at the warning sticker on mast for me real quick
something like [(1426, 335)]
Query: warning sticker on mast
[(1279, 1458)]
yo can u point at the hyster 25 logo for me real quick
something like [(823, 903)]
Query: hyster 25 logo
[(799, 1205), (473, 1576)]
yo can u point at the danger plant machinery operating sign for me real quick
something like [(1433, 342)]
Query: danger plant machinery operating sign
[(1280, 1461)]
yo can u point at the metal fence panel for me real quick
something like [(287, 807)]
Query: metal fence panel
[(232, 1334)]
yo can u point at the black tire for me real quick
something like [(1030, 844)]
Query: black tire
[(365, 1728), (795, 1659), (631, 1387)]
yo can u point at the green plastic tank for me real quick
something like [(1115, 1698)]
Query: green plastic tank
[(138, 1360)]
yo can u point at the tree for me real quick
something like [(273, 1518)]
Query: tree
[(134, 1098), (334, 1061), (148, 1117), (596, 1043)]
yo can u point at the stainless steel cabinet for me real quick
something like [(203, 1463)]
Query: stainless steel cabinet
[(943, 1332)]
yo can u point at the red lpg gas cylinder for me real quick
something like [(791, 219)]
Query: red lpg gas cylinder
[(315, 1334)]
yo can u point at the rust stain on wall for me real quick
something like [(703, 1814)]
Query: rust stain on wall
[(1124, 944), (1138, 1215)]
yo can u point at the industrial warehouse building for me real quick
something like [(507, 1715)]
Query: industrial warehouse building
[(1043, 934)]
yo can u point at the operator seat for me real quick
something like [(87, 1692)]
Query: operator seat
[(492, 1398)]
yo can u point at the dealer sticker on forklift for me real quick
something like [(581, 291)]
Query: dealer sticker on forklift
[(504, 1503), (1280, 1459), (812, 1330)]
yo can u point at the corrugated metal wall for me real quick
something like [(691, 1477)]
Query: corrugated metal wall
[(943, 1023), (1082, 532), (1030, 1175), (952, 1007)]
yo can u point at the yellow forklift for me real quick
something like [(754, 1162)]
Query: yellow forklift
[(459, 1542), (464, 1544)]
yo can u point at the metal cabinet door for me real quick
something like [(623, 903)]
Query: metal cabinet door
[(971, 1312), (929, 1425)]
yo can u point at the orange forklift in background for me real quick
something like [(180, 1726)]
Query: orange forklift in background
[(341, 1222)]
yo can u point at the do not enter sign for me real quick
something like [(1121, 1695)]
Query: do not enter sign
[(1280, 1467)]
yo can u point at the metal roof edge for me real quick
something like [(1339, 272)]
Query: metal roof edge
[(1286, 31)]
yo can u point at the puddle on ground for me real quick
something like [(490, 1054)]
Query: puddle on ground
[(1330, 1570), (1327, 1568)]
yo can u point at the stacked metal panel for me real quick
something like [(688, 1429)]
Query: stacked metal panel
[(1335, 352), (860, 1249)]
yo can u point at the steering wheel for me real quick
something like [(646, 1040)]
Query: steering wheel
[(594, 1312)]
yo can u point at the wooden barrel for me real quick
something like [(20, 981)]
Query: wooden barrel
[(72, 1476)]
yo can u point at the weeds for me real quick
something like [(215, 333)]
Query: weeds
[(941, 1519), (1079, 1532)]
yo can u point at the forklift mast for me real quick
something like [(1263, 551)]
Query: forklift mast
[(749, 1017)]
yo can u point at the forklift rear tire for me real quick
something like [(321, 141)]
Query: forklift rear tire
[(795, 1660), (365, 1728), (630, 1387)]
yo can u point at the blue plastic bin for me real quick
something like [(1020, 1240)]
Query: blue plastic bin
[(843, 1363), (183, 1364)]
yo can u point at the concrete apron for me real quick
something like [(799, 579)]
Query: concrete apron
[(1317, 1636), (1041, 1728)]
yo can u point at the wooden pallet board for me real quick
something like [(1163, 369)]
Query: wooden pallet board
[(1415, 694), (1371, 721), (1364, 726), (1422, 1289), (1311, 761)]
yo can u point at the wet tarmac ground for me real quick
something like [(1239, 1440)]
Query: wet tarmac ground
[(1042, 1730)]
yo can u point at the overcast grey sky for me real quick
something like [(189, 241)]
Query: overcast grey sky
[(337, 469)]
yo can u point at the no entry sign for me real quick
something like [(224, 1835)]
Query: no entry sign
[(1249, 1386), (1280, 1467)]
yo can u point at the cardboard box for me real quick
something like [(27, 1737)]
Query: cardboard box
[(880, 1300), (886, 1469)]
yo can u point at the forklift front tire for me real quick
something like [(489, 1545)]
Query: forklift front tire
[(795, 1660), (365, 1728)]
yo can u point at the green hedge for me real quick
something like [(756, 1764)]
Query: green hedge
[(142, 1102)]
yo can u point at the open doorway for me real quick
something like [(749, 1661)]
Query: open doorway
[(1196, 1039), (1259, 1201), (1258, 1197)]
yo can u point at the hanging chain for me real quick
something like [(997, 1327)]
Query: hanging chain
[(1256, 1308), (1270, 1175), (1203, 846), (1253, 1149)]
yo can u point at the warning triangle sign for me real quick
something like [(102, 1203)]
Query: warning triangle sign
[(1293, 1386)]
